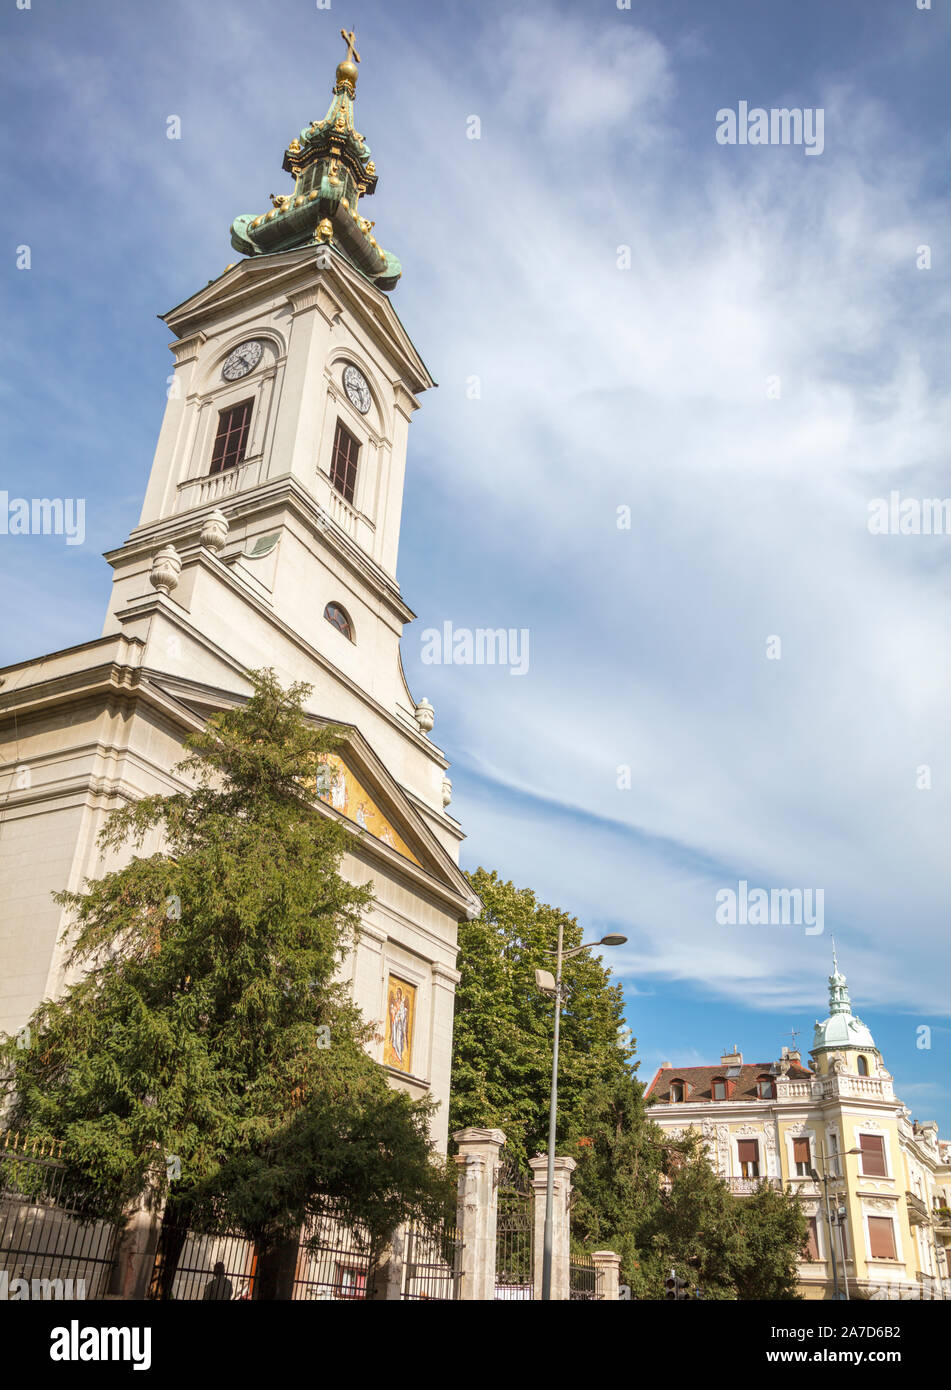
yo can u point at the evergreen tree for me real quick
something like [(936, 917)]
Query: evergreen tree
[(775, 1228), (655, 1200), (502, 1054), (208, 1047)]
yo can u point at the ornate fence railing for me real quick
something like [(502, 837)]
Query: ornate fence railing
[(515, 1234), (60, 1245)]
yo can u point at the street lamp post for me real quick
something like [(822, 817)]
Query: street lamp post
[(831, 1220), (553, 986)]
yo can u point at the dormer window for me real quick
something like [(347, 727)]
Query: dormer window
[(678, 1091), (232, 437), (765, 1088), (343, 463), (337, 618), (719, 1089)]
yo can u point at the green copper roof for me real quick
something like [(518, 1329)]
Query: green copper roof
[(842, 1028), (332, 169)]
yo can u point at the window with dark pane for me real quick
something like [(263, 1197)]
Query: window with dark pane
[(338, 618), (232, 437), (343, 465)]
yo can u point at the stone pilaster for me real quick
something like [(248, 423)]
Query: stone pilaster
[(561, 1227), (135, 1255), (477, 1212), (608, 1266)]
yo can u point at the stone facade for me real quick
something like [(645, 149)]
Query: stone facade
[(882, 1223)]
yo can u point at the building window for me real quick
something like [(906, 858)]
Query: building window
[(863, 1066), (678, 1091), (834, 1156), (873, 1155), (802, 1158), (350, 1282), (343, 464), (765, 1088), (747, 1152), (337, 618), (812, 1239), (881, 1238), (232, 437), (719, 1088)]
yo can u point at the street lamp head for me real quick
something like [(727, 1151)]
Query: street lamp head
[(612, 939)]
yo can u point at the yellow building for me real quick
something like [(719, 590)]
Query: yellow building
[(875, 1185)]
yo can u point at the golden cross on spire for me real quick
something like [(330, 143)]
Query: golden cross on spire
[(350, 40)]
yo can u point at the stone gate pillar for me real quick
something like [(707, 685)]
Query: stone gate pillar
[(136, 1248), (477, 1210), (561, 1230), (608, 1266)]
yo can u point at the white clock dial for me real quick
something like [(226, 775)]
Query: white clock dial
[(244, 359), (355, 385)]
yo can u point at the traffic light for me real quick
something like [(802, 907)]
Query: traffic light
[(676, 1288)]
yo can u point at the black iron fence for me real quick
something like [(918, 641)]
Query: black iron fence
[(52, 1244), (336, 1260), (515, 1234), (583, 1282), (432, 1262), (212, 1268)]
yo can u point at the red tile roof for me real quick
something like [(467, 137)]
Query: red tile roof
[(700, 1080)]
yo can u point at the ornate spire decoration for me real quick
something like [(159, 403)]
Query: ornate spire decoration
[(332, 170), (842, 1028)]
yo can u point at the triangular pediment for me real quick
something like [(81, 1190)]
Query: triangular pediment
[(337, 784), (359, 790), (262, 277), (371, 800)]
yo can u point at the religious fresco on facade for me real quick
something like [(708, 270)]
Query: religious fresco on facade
[(337, 786), (400, 1022)]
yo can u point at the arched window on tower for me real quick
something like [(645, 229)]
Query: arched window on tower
[(231, 438), (339, 619), (863, 1066), (343, 462)]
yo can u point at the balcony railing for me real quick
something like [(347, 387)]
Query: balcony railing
[(212, 487), (822, 1087), (745, 1187), (918, 1213)]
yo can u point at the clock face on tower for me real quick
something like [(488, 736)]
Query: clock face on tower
[(355, 385), (244, 359)]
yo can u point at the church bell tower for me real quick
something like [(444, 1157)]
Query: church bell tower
[(268, 537)]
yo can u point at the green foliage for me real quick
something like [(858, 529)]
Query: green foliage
[(208, 1031), (775, 1228), (733, 1247), (654, 1200), (501, 1071)]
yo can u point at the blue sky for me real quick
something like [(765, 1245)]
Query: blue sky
[(601, 388)]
